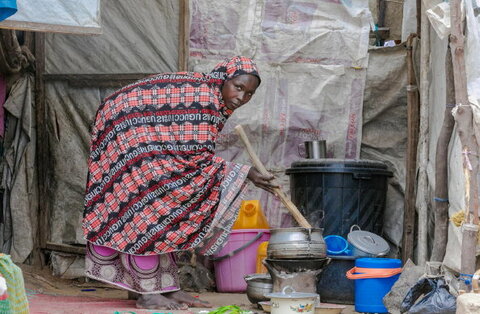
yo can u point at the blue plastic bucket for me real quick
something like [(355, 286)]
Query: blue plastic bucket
[(7, 8), (374, 277), (337, 245)]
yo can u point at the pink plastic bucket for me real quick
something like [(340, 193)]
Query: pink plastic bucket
[(230, 270)]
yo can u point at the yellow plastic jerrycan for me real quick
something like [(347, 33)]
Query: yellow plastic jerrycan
[(251, 216), (261, 255)]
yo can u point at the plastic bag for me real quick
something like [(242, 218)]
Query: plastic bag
[(437, 298)]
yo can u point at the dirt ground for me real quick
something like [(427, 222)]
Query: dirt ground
[(42, 281)]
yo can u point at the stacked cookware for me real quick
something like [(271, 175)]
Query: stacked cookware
[(295, 257)]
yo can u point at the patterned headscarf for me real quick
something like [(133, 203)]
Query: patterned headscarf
[(233, 67)]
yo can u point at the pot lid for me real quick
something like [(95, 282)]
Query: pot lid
[(289, 293), (339, 166), (332, 162), (368, 242)]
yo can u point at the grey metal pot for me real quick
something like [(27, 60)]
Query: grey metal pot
[(295, 243), (257, 286)]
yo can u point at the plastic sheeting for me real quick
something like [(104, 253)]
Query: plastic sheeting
[(19, 181), (138, 37), (456, 187), (307, 91), (409, 22), (64, 16), (439, 17), (385, 127), (456, 179)]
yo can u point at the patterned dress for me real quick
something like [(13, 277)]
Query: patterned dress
[(154, 183)]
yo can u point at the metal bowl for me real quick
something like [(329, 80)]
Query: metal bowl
[(257, 286)]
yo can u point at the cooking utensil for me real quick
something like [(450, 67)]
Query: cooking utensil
[(290, 301), (366, 243), (296, 243), (313, 149), (260, 167), (257, 286)]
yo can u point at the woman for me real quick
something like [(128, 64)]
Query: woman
[(155, 186)]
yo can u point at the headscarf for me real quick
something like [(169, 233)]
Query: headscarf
[(233, 67)]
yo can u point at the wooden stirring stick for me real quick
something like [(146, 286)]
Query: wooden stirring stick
[(260, 167)]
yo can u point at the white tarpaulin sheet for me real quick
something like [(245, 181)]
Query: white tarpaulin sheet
[(312, 57), (64, 16), (456, 186), (409, 21)]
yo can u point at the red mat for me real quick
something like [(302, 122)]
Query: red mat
[(50, 304)]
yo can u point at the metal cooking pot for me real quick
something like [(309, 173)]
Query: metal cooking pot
[(294, 243), (257, 286)]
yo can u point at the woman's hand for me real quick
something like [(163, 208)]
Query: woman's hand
[(261, 181)]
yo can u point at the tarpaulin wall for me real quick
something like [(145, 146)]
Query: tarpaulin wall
[(456, 187), (312, 57), (138, 37), (438, 15), (385, 128)]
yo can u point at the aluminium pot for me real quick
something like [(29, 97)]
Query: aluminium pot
[(367, 244), (296, 243), (257, 286)]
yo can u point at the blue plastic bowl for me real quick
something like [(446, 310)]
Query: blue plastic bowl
[(337, 245)]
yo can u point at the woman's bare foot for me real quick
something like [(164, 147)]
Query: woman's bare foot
[(158, 302), (185, 298)]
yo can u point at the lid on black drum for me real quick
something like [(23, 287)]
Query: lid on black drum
[(339, 165)]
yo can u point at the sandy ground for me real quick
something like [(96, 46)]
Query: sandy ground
[(42, 281)]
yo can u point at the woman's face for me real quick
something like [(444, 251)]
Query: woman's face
[(239, 90)]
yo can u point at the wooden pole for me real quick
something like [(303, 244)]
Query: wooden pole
[(382, 7), (441, 168), (464, 119), (423, 194), (419, 18), (411, 164), (183, 35), (42, 143), (260, 167)]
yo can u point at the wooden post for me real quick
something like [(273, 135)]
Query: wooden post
[(42, 143), (382, 7), (441, 168), (423, 195), (183, 35), (419, 18), (411, 164), (464, 119)]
